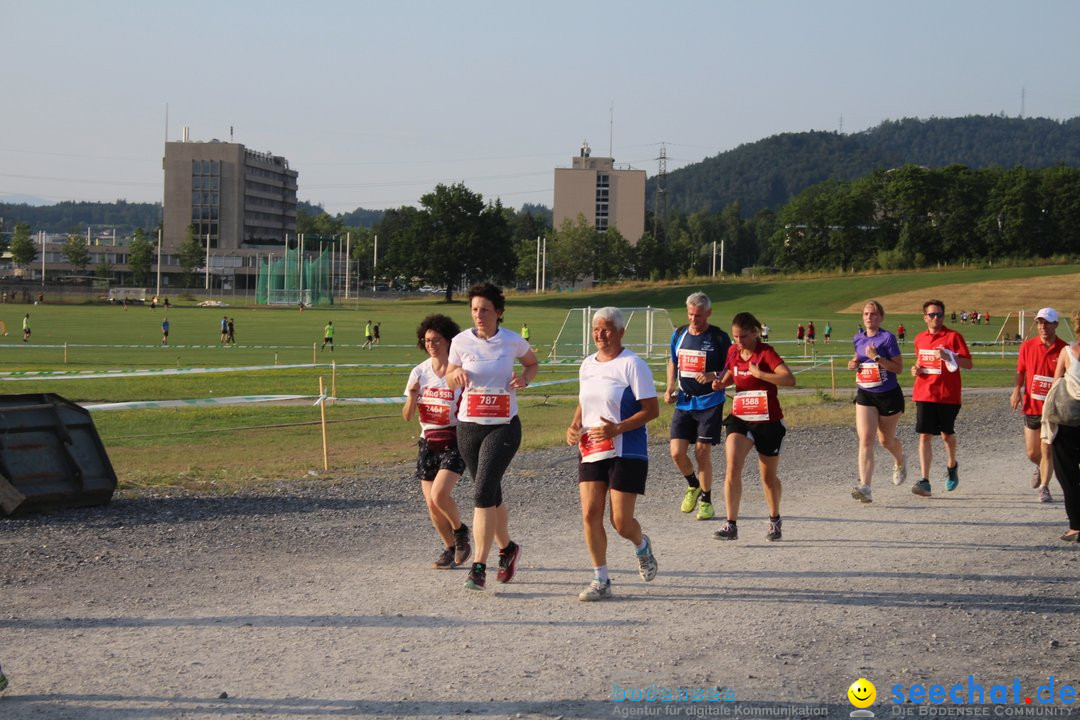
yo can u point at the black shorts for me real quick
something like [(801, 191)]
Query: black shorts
[(429, 462), (699, 426), (328, 340), (1033, 422), (768, 437), (622, 474), (933, 418), (890, 402)]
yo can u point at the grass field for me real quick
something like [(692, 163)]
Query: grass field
[(224, 446)]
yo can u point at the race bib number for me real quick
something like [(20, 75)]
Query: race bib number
[(591, 450), (487, 406), (751, 406), (930, 362), (868, 375), (434, 413), (691, 362), (1040, 385)]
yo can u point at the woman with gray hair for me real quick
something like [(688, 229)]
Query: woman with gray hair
[(616, 400)]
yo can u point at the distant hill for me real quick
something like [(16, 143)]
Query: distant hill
[(75, 216), (769, 172)]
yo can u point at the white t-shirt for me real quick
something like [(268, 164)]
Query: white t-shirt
[(614, 390), (488, 399), (436, 404)]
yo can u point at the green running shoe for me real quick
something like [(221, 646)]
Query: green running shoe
[(689, 501), (705, 511)]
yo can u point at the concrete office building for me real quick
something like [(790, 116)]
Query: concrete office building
[(605, 196), (244, 200)]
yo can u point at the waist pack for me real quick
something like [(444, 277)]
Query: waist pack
[(441, 439)]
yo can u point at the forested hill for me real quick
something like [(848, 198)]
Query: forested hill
[(768, 173), (75, 216)]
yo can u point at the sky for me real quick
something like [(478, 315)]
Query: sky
[(374, 103)]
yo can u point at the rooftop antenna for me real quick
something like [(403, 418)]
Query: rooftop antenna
[(611, 130), (230, 133)]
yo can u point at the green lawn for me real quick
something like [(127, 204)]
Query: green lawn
[(233, 444)]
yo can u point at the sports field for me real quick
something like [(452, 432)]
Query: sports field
[(96, 354)]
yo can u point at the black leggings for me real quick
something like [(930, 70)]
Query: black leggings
[(1066, 451), (487, 451)]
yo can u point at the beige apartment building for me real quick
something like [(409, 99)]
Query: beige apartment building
[(243, 200), (605, 196)]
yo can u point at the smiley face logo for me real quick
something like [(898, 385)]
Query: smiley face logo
[(862, 693)]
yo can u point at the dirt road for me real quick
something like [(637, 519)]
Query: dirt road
[(315, 599)]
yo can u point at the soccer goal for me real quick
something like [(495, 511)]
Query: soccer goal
[(648, 331)]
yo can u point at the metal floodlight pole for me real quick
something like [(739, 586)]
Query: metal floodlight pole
[(348, 254), (207, 274), (536, 283)]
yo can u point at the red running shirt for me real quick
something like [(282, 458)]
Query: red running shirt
[(766, 358), (936, 383), (1037, 364)]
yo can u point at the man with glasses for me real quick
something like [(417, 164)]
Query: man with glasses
[(940, 353)]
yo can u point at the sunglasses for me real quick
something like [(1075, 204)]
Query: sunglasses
[(935, 315)]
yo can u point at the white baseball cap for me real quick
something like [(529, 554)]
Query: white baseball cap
[(1048, 314)]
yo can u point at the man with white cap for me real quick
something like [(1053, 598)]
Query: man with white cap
[(1034, 374), (940, 354)]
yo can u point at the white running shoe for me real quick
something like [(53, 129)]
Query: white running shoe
[(899, 473), (596, 591)]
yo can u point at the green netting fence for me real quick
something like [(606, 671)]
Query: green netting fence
[(290, 280)]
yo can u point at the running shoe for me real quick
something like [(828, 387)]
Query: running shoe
[(1036, 479), (705, 511), (508, 558), (1044, 494), (729, 532), (477, 577), (646, 561), (899, 473), (689, 501), (861, 493), (952, 477), (446, 560), (921, 488), (596, 591), (3, 681), (462, 548), (774, 533)]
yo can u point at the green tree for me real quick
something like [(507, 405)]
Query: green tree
[(76, 253), (454, 236), (23, 250), (103, 270), (140, 257), (192, 256)]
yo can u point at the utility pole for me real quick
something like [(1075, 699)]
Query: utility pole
[(660, 200)]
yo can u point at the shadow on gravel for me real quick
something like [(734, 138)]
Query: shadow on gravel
[(297, 621), (998, 602), (152, 706), (147, 511)]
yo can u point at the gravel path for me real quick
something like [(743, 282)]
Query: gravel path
[(314, 599)]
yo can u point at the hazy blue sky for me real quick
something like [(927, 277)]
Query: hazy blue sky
[(375, 102)]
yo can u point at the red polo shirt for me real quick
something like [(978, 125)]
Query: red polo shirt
[(939, 384), (1037, 364)]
